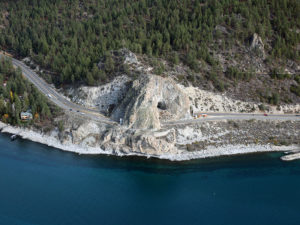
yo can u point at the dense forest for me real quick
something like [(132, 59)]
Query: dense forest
[(69, 37), (18, 95)]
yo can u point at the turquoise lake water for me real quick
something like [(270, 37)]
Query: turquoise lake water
[(42, 185)]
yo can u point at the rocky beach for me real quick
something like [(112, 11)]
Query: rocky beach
[(155, 116)]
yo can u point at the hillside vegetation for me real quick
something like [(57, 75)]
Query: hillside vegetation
[(69, 37), (19, 95)]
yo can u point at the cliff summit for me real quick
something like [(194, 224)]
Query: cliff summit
[(151, 99)]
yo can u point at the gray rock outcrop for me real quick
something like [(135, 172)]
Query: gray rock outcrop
[(129, 57), (150, 99), (122, 56), (257, 45), (136, 141), (102, 97)]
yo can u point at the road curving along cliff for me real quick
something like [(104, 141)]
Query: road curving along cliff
[(153, 117)]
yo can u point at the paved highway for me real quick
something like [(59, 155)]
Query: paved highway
[(57, 98), (93, 114), (234, 116)]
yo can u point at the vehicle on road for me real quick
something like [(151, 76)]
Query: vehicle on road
[(77, 110), (265, 114), (82, 113), (71, 109), (50, 96), (199, 116)]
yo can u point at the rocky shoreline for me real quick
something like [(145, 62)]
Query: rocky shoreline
[(209, 152), (152, 116), (291, 156)]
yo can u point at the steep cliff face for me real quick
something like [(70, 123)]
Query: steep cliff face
[(103, 97), (151, 99), (129, 141), (180, 142), (148, 107)]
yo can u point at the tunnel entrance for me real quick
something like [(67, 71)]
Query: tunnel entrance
[(161, 105)]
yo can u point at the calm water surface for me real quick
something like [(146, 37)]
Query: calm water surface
[(42, 185)]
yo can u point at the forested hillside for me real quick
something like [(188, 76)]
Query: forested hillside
[(18, 95), (69, 37)]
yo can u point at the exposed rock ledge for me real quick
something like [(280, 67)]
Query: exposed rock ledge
[(211, 139), (152, 99), (174, 100)]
